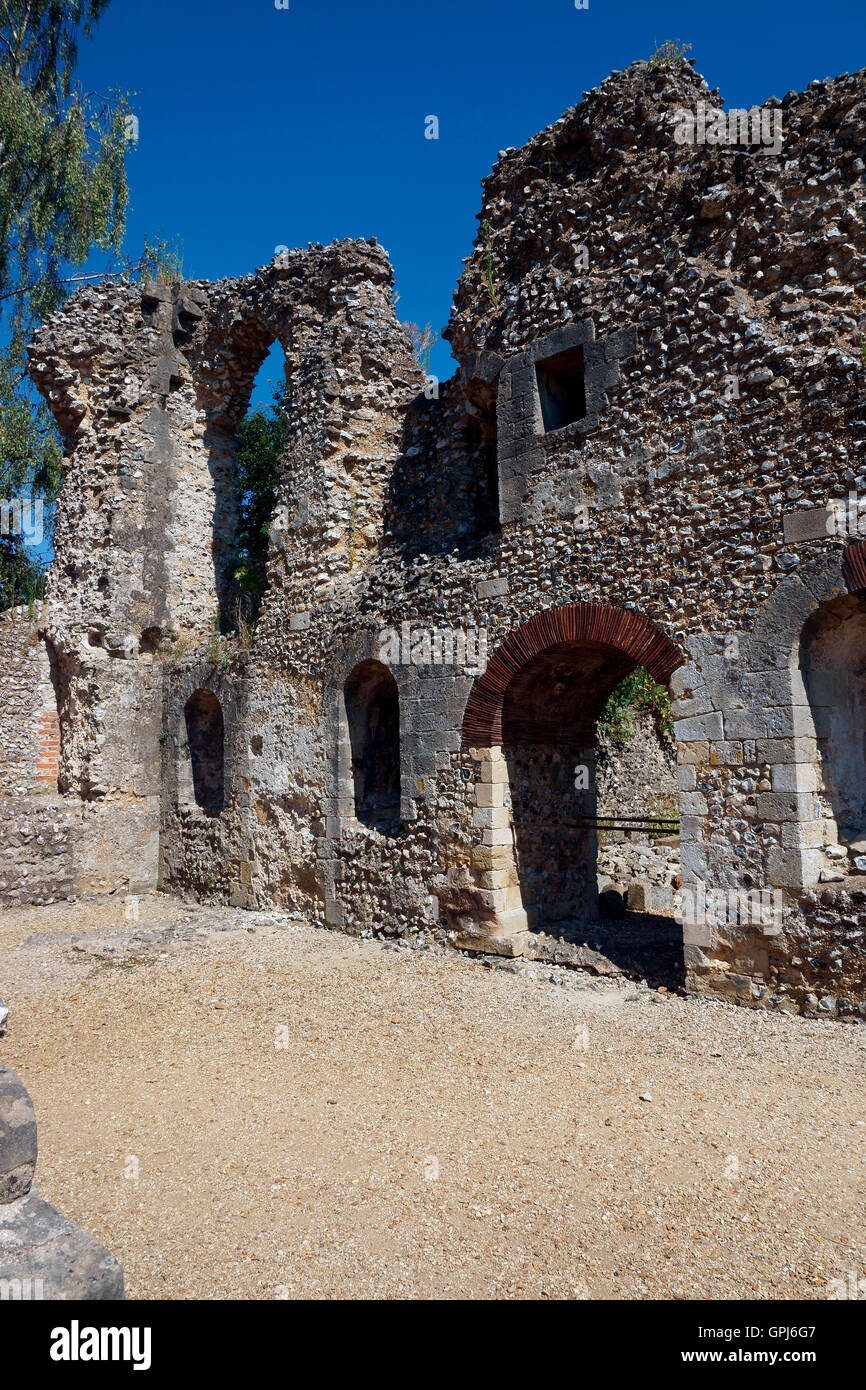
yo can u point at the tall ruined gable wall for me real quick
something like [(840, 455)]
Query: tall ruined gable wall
[(714, 264), (148, 384)]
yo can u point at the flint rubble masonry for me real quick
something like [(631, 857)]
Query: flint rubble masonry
[(633, 278)]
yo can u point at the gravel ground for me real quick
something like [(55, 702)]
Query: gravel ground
[(240, 1106)]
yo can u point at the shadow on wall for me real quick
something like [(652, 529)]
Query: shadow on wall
[(443, 494)]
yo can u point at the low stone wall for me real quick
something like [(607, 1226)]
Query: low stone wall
[(36, 826), (29, 728), (53, 846), (36, 862), (646, 871)]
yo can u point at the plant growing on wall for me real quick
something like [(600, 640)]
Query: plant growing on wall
[(423, 342), (669, 54), (161, 259), (488, 242), (636, 693)]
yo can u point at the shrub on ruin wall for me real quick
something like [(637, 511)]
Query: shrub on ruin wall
[(636, 692)]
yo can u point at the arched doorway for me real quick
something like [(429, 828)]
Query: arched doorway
[(530, 721)]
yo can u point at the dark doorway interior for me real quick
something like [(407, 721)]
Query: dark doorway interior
[(205, 734)]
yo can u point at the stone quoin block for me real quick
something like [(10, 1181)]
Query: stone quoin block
[(793, 868), (786, 806), (696, 753), (786, 750), (813, 524), (686, 777), (741, 724), (703, 727), (794, 777)]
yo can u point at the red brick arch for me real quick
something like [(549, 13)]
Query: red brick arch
[(854, 566), (620, 628)]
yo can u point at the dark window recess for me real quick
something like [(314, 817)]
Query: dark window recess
[(206, 738), (479, 433), (373, 713), (561, 389)]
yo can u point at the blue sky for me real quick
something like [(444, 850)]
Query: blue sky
[(261, 127)]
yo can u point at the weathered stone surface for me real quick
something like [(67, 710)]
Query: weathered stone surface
[(17, 1138), (650, 412), (42, 1254), (59, 1259)]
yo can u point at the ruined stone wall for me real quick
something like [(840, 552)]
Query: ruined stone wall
[(29, 732), (349, 377), (686, 489), (736, 277), (637, 776), (659, 380), (145, 532)]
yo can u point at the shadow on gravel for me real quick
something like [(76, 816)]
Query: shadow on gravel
[(640, 945)]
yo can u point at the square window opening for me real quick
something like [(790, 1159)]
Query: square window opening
[(561, 389)]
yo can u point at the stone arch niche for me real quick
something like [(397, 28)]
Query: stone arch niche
[(804, 655), (530, 725), (372, 705), (833, 668), (769, 727), (202, 781)]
